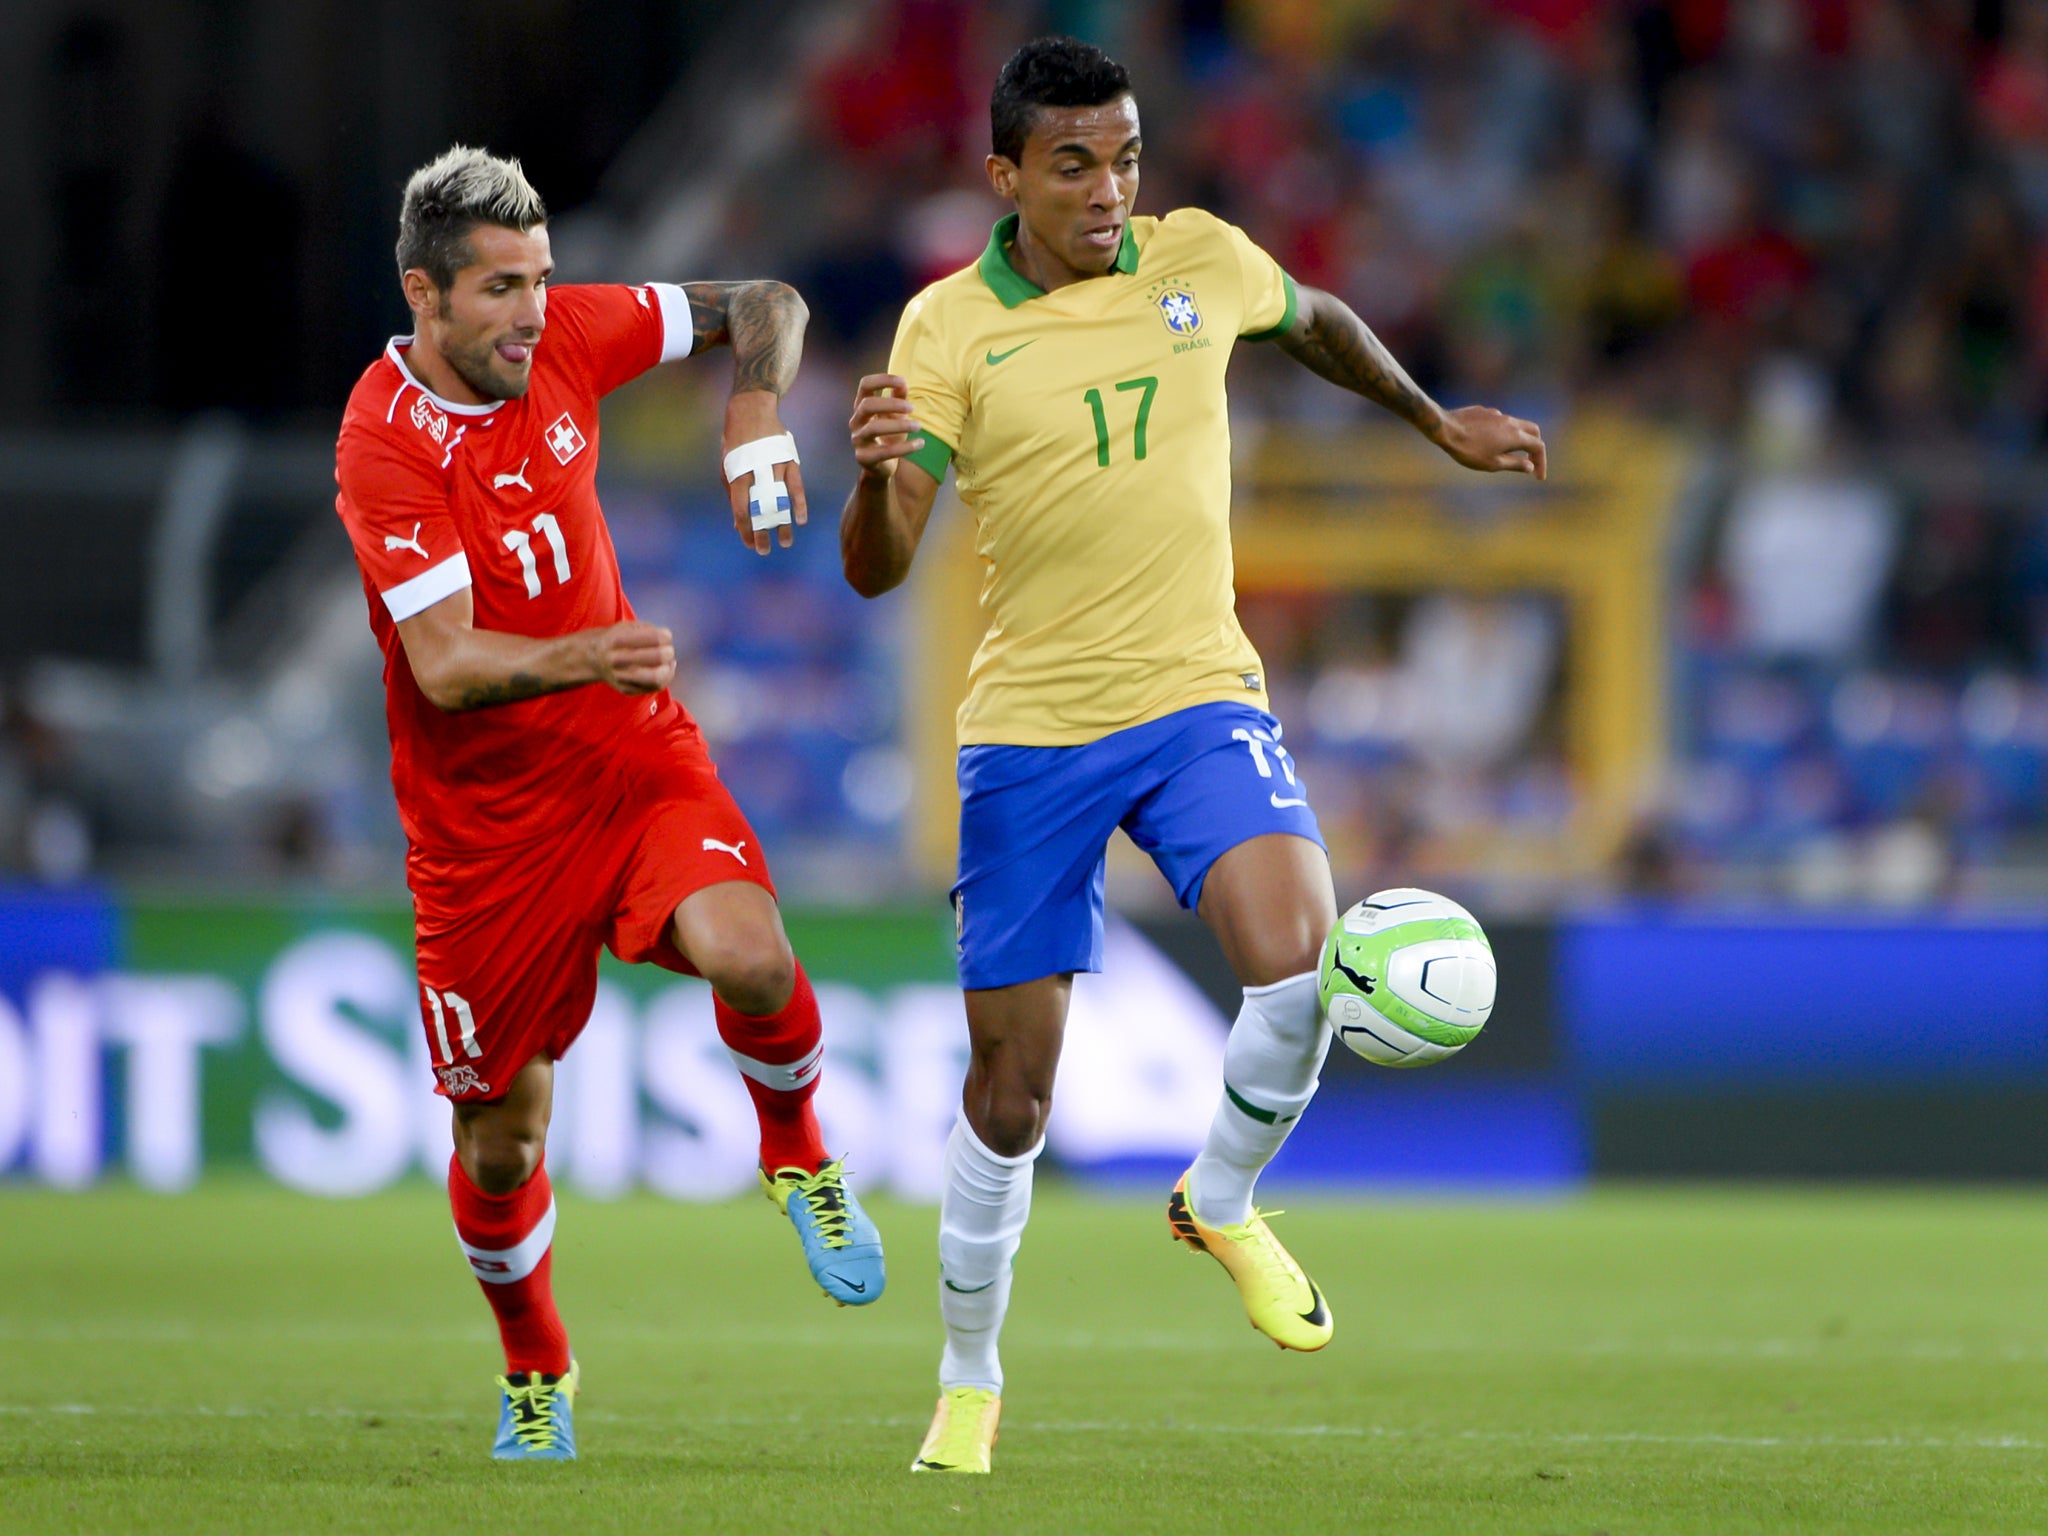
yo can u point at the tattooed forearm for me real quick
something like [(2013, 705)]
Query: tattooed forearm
[(1329, 340), (763, 322), (520, 685)]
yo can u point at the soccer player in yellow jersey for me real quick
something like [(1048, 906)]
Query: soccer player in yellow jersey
[(1073, 378)]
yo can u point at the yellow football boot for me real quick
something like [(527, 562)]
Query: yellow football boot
[(1281, 1301), (963, 1432)]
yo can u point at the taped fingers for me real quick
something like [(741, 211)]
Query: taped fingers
[(769, 503)]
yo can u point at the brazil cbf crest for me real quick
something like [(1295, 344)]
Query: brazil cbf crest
[(1178, 309)]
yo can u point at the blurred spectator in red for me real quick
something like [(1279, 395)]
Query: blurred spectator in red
[(1752, 274), (903, 92)]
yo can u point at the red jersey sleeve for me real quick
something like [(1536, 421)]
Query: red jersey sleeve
[(396, 510), (619, 332)]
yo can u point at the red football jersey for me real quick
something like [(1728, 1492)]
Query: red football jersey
[(502, 499)]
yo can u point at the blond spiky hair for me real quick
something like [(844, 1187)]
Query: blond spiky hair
[(448, 197)]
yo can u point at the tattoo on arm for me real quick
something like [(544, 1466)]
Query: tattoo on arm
[(763, 321), (520, 685), (1331, 341)]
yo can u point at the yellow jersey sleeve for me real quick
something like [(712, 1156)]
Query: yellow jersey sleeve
[(937, 395), (1269, 294)]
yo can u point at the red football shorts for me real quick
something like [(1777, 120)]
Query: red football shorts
[(508, 941)]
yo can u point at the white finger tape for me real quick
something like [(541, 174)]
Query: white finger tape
[(767, 497)]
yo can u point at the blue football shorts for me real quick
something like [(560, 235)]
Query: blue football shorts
[(1035, 823)]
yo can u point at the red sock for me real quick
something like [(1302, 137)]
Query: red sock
[(779, 1057), (509, 1240)]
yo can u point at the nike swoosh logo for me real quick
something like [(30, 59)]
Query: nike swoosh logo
[(993, 358), (1281, 805), (1319, 1314), (965, 1290), (858, 1287)]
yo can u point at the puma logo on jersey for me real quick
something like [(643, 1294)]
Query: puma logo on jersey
[(517, 477), (711, 843), (393, 541)]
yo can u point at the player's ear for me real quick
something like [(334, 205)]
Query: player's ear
[(421, 296), (1002, 175)]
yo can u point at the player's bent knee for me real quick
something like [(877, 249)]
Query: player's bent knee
[(1014, 1123), (500, 1163), (732, 935), (754, 978), (1286, 950), (1298, 959)]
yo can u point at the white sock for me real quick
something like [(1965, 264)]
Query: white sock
[(981, 1221), (1270, 1068)]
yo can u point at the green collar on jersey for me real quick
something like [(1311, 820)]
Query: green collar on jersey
[(1012, 286)]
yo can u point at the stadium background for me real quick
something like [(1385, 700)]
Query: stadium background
[(1735, 734)]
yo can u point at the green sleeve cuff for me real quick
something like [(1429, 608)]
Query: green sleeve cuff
[(934, 456), (1286, 315)]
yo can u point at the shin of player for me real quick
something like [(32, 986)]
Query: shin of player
[(509, 1242), (1270, 1070), (1014, 1033), (767, 1015), (780, 1054), (504, 1211), (982, 1213)]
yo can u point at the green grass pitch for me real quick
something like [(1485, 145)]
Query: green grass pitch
[(1635, 1361)]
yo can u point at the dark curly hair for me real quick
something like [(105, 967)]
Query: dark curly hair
[(1049, 72)]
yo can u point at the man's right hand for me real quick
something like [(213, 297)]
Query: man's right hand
[(883, 428), (633, 657)]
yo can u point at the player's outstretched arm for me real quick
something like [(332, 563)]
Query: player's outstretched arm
[(891, 502), (1328, 339), (763, 321), (459, 666)]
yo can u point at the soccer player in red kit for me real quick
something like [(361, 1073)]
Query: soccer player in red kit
[(555, 796)]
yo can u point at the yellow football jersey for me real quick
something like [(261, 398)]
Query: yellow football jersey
[(1088, 431)]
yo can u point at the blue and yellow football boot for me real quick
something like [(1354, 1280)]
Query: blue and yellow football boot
[(536, 1417), (841, 1244)]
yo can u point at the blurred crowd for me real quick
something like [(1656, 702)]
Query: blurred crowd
[(1543, 201)]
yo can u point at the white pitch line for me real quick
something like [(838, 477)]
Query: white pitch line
[(1096, 1427)]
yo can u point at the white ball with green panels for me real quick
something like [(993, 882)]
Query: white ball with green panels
[(1407, 978)]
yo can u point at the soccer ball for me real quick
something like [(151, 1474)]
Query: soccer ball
[(1407, 978)]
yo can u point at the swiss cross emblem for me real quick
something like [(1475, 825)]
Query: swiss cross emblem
[(429, 420), (1178, 310), (564, 441)]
